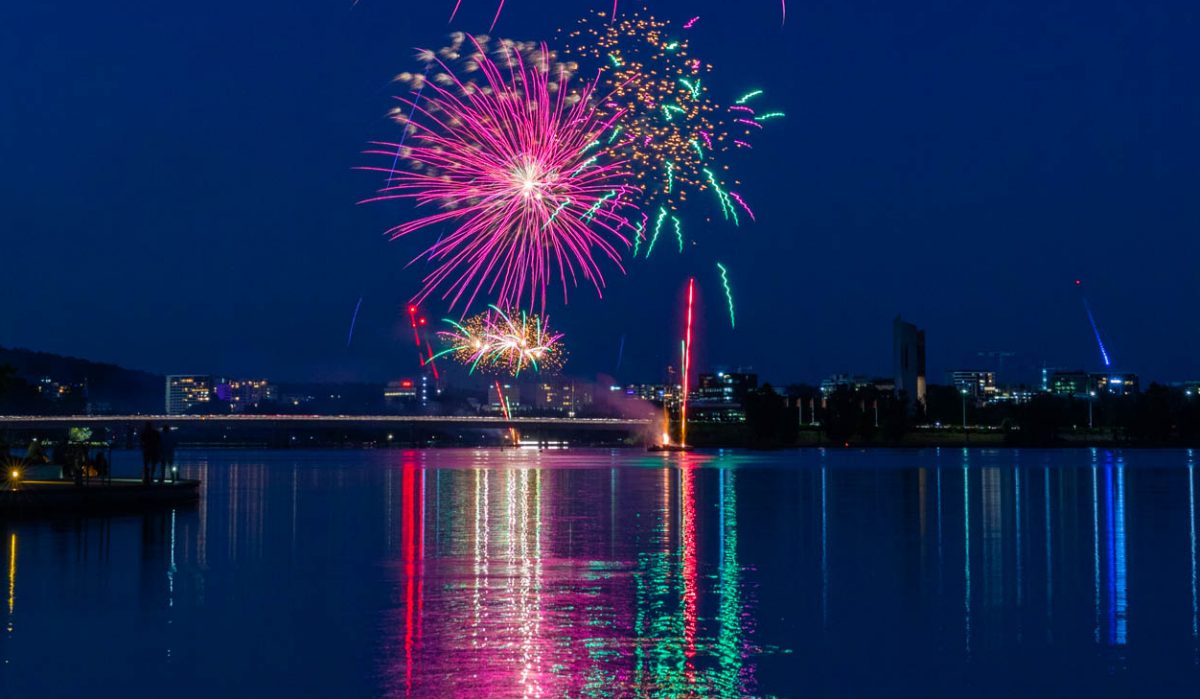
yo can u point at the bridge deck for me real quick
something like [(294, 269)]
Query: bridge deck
[(433, 420)]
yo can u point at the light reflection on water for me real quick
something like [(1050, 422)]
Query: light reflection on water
[(523, 586), (518, 573)]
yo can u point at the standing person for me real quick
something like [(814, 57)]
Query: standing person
[(168, 453), (151, 450), (100, 463)]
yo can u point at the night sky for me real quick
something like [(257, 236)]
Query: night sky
[(178, 191)]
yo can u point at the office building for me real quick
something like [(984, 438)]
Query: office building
[(1082, 384), (560, 396), (1065, 382), (1115, 384), (908, 361), (727, 387), (657, 393), (400, 393), (503, 397), (185, 392)]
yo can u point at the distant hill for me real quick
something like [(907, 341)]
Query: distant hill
[(110, 388)]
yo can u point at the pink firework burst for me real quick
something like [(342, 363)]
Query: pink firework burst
[(512, 159)]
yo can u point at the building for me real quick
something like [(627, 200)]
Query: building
[(55, 390), (855, 382), (719, 397), (908, 361), (657, 393), (503, 397), (1082, 384), (1017, 396), (977, 383), (400, 393), (716, 410), (723, 386), (244, 394), (1067, 382), (560, 396), (184, 392), (1115, 384), (1047, 372)]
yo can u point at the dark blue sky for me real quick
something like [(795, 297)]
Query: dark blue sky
[(177, 191)]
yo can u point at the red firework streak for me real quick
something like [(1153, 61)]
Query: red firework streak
[(423, 356), (687, 362), (503, 400)]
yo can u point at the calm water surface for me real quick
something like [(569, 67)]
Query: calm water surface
[(596, 573)]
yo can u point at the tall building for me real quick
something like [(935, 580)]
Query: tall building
[(186, 391), (908, 361)]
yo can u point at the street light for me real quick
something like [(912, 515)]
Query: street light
[(964, 407), (1091, 400)]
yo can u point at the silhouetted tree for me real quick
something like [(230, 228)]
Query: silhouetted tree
[(842, 415), (769, 420), (1151, 419), (7, 374), (1041, 419), (893, 417), (943, 404)]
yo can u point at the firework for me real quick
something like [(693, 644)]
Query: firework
[(353, 320), (690, 23), (507, 342), (459, 63), (506, 155), (658, 93), (686, 362), (667, 126), (728, 292)]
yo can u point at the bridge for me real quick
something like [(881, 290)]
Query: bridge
[(433, 421)]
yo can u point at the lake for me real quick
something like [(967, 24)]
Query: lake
[(611, 573)]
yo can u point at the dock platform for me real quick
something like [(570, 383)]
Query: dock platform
[(120, 494)]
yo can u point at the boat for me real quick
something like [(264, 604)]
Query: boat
[(668, 447)]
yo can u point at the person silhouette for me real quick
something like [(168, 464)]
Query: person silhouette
[(167, 455), (151, 451), (100, 463)]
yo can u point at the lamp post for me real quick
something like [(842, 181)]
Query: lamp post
[(964, 408), (1091, 400)]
